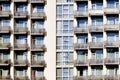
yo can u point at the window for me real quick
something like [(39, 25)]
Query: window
[(22, 56), (21, 8), (112, 53), (22, 23), (21, 73), (21, 40), (64, 58), (37, 24), (5, 39), (64, 27), (112, 36), (38, 56), (97, 5), (64, 74), (97, 37), (4, 55), (97, 22), (113, 20), (113, 3), (5, 22), (83, 39), (97, 54), (82, 55), (38, 8), (65, 42), (82, 23), (39, 40), (82, 7), (97, 70), (5, 7), (112, 71), (65, 11)]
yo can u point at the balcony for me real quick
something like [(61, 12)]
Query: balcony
[(38, 15), (80, 0), (21, 63), (5, 45), (81, 13), (40, 47), (96, 77), (96, 61), (111, 61), (38, 78), (96, 44), (112, 44), (5, 29), (5, 13), (111, 10), (83, 62), (111, 77), (23, 14), (78, 46), (81, 30), (18, 46), (5, 62), (81, 77), (38, 1), (38, 31), (21, 78), (96, 12), (111, 27), (8, 77), (20, 0), (38, 63), (95, 28), (21, 30)]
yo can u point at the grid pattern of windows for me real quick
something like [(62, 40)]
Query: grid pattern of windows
[(64, 73)]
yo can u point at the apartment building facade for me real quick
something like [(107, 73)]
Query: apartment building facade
[(59, 40)]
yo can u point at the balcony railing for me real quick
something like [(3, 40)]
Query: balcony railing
[(112, 44), (78, 30), (21, 14), (5, 29), (82, 13), (111, 10), (21, 62), (78, 46), (38, 15), (8, 77), (81, 77), (96, 44), (38, 63), (40, 47), (18, 46), (83, 62), (96, 77), (21, 30), (38, 1), (38, 78), (96, 12), (20, 0), (5, 13), (38, 31), (96, 61), (95, 28), (111, 61), (111, 77), (5, 45), (111, 27), (21, 78), (5, 62)]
